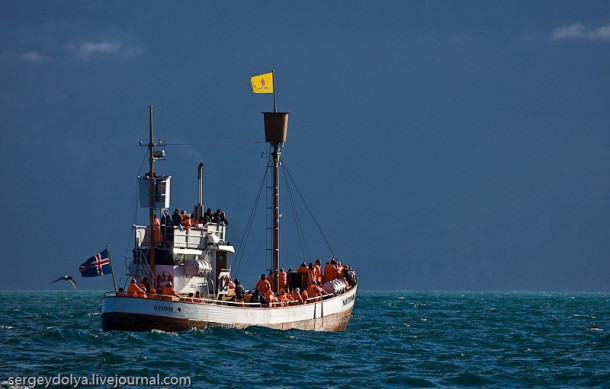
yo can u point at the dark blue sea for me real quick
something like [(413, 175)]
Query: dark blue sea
[(394, 339)]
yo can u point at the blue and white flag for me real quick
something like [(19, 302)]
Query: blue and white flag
[(97, 265)]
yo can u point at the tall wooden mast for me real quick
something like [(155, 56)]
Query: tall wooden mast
[(276, 154), (276, 126)]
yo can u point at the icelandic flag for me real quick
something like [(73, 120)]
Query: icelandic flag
[(97, 265)]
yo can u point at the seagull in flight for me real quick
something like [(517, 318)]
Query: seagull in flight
[(67, 278)]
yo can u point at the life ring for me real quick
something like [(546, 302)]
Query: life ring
[(163, 278)]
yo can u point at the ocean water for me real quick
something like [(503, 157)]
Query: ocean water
[(394, 339)]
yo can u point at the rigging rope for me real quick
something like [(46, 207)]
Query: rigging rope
[(135, 218), (299, 227), (309, 210), (244, 239)]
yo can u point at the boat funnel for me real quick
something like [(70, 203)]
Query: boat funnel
[(200, 184), (199, 206), (276, 126)]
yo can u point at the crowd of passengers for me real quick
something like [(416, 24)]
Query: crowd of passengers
[(314, 280), (164, 227), (184, 220), (263, 292)]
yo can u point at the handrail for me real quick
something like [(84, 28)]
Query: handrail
[(201, 300)]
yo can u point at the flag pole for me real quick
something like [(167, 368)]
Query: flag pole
[(273, 85), (111, 269)]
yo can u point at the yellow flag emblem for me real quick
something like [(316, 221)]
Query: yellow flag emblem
[(262, 83)]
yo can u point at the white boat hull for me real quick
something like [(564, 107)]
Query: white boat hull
[(138, 314)]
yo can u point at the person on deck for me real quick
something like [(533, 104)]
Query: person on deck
[(330, 271), (283, 279), (186, 221), (147, 288), (271, 278), (240, 293), (248, 298), (317, 271), (121, 293), (157, 232), (314, 290), (285, 299), (152, 292), (134, 290), (176, 218), (339, 270), (304, 296), (311, 274), (261, 288), (209, 216), (169, 293), (303, 270), (297, 299), (272, 301)]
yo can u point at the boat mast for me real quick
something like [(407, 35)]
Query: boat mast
[(151, 193), (276, 126), (276, 214)]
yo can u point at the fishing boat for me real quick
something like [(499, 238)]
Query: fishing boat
[(196, 261)]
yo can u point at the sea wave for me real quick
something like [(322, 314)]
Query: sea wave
[(398, 338)]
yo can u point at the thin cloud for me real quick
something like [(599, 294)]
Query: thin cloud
[(89, 50), (578, 31), (28, 57)]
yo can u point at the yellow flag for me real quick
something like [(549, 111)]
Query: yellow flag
[(262, 83)]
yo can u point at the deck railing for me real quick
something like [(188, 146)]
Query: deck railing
[(203, 300), (194, 238)]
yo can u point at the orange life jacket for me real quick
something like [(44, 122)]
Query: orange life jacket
[(330, 273), (157, 230), (285, 299), (317, 273), (314, 291), (339, 272), (168, 292), (296, 297), (271, 279), (152, 292), (135, 291), (271, 299), (311, 277), (263, 286)]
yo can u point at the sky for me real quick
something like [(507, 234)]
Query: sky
[(440, 145)]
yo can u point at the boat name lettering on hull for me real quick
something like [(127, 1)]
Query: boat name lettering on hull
[(349, 299), (169, 309)]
